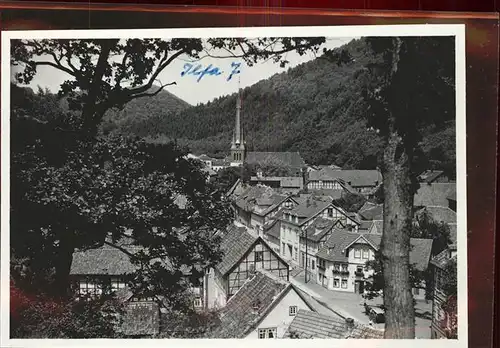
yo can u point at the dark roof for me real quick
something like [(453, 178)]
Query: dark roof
[(273, 229), (105, 260), (309, 208), (335, 247), (354, 178), (442, 259), (365, 225), (307, 324), (420, 253), (235, 243), (442, 214), (259, 196), (290, 159), (371, 211), (249, 305), (140, 319), (434, 194), (220, 162), (318, 228), (429, 176)]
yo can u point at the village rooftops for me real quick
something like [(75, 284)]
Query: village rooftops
[(441, 214), (286, 159), (434, 194), (371, 211), (442, 259), (429, 176), (111, 261), (235, 243), (259, 199), (308, 324), (319, 228), (253, 301), (354, 178), (339, 242)]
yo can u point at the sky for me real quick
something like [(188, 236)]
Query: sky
[(209, 86)]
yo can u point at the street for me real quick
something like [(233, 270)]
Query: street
[(351, 305)]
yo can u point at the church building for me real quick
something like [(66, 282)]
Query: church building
[(291, 162)]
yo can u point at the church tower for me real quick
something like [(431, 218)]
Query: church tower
[(238, 150)]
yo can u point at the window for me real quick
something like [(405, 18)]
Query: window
[(357, 253), (330, 212), (313, 264), (344, 283), (283, 248), (344, 268), (197, 303), (259, 256), (267, 333), (416, 291), (295, 253), (336, 282), (366, 253), (292, 310), (336, 267)]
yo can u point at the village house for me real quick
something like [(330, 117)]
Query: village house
[(294, 232), (263, 308), (307, 324), (442, 321), (341, 262), (257, 206), (433, 176), (107, 268), (435, 195), (364, 182), (243, 254)]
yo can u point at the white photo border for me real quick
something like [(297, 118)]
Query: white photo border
[(456, 30)]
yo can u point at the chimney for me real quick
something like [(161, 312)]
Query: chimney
[(349, 325)]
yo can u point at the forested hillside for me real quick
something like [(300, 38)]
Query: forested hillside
[(316, 108)]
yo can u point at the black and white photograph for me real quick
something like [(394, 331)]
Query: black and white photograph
[(261, 183)]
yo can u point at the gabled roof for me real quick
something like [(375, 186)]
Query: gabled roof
[(111, 261), (442, 214), (442, 259), (370, 211), (235, 243), (273, 228), (330, 193), (379, 225), (354, 178), (420, 253), (429, 176), (259, 196), (291, 159), (318, 229), (453, 195), (365, 225), (309, 208), (434, 194), (249, 305), (307, 324), (336, 246)]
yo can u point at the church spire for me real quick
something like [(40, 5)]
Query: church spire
[(238, 143)]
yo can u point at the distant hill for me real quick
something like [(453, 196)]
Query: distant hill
[(138, 111)]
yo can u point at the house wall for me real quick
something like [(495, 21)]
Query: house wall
[(265, 259), (438, 314), (279, 317), (216, 290), (273, 242), (289, 238), (256, 223)]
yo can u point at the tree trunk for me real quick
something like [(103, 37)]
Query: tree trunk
[(92, 115), (395, 247), (63, 262)]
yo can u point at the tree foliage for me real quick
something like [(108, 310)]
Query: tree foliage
[(350, 202), (426, 227), (78, 193), (45, 317)]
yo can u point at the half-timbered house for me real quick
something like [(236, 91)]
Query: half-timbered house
[(243, 254)]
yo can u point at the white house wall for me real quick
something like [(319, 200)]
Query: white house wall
[(216, 290), (280, 317)]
